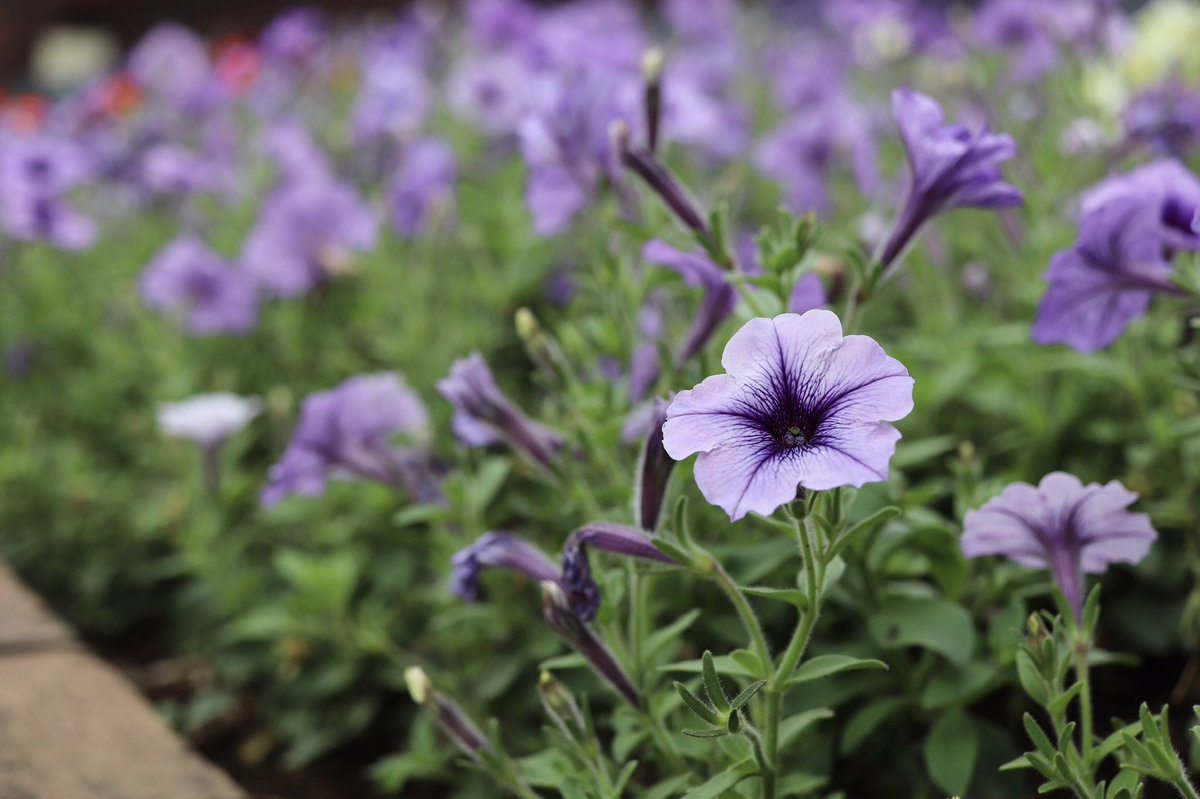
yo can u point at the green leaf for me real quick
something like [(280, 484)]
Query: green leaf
[(713, 732), (717, 785), (563, 662), (792, 596), (1031, 678), (712, 683), (935, 624), (724, 663), (800, 784), (667, 788), (867, 719), (825, 665), (867, 525), (791, 728), (952, 684), (746, 695), (750, 662), (660, 638), (696, 705), (1115, 741), (950, 752)]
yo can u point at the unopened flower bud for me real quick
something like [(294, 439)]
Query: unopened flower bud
[(560, 705), (445, 713), (652, 67), (563, 620)]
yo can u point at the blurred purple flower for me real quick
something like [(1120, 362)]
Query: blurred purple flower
[(491, 91), (643, 364), (1131, 226), (1021, 28), (807, 295), (210, 295), (800, 406), (950, 167), (36, 175), (306, 233), (719, 300), (1165, 119), (484, 416), (394, 99), (421, 186), (172, 64), (565, 145), (296, 155), (497, 549), (589, 34), (348, 431), (577, 583), (1061, 525), (294, 36), (501, 23), (171, 169)]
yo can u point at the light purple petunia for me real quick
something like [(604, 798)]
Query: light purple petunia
[(1132, 224), (294, 36), (211, 296), (36, 175), (491, 91), (297, 157), (394, 99), (1165, 119), (1022, 28), (171, 169), (800, 406), (421, 186), (1062, 525), (172, 64), (348, 432), (566, 149), (949, 167), (697, 270), (305, 234), (484, 416)]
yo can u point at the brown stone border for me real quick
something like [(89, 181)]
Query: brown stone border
[(71, 727)]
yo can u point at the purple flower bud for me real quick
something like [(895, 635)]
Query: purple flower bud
[(950, 167), (484, 416), (577, 582), (562, 619), (502, 550), (445, 713), (720, 298), (654, 472), (668, 188), (1061, 525)]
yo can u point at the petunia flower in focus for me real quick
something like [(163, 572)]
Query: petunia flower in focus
[(484, 416), (800, 406), (1062, 525), (348, 432), (422, 186), (307, 233), (949, 167), (209, 294)]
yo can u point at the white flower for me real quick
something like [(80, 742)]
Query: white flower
[(207, 419)]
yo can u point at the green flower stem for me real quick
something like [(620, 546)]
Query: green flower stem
[(665, 745), (639, 621), (1085, 703), (758, 641), (1184, 786), (773, 691)]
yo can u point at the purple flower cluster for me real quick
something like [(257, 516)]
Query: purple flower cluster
[(349, 432), (36, 176), (1130, 228)]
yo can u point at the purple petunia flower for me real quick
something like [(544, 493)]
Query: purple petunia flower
[(1023, 28), (294, 36), (348, 432), (212, 297), (172, 64), (577, 583), (1165, 119), (491, 91), (36, 175), (720, 298), (1061, 525), (800, 406), (1131, 226), (394, 99), (484, 416), (950, 167), (497, 549), (422, 185), (297, 157), (565, 146), (306, 233)]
